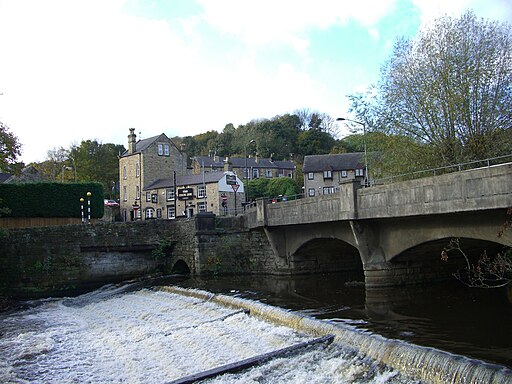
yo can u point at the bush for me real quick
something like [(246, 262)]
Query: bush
[(51, 199)]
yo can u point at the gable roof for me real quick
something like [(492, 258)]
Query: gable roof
[(240, 162), (334, 162), (143, 144), (209, 177)]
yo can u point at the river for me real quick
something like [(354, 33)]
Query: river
[(470, 322)]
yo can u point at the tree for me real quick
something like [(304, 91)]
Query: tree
[(449, 90), (10, 148)]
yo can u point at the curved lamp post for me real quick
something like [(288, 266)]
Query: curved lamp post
[(366, 178), (246, 173)]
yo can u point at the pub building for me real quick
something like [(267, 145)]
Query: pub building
[(221, 193)]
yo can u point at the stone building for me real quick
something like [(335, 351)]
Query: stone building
[(184, 196), (244, 168), (324, 173), (143, 163)]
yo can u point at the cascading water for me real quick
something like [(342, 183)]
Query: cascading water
[(157, 336), (150, 336)]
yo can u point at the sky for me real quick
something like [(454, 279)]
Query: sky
[(73, 70)]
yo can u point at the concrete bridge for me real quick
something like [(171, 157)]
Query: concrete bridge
[(394, 233)]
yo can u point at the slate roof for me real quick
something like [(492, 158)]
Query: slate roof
[(141, 145), (335, 162), (239, 162), (209, 177)]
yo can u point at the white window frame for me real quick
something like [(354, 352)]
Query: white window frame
[(171, 212), (328, 174), (169, 194), (311, 175), (150, 213), (125, 193), (158, 213), (328, 190), (311, 192), (255, 173), (201, 206), (160, 149), (137, 192), (268, 173), (201, 191), (124, 172), (166, 150), (359, 172), (148, 197), (137, 169)]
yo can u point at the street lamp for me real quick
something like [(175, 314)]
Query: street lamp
[(364, 144), (246, 173)]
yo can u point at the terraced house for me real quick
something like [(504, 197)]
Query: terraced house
[(324, 173), (245, 168)]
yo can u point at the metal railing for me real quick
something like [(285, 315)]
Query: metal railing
[(443, 170)]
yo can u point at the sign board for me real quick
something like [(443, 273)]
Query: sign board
[(235, 187), (230, 179), (185, 193)]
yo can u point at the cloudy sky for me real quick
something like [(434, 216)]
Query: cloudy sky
[(73, 70)]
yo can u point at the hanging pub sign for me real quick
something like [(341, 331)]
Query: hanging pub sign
[(230, 179), (185, 193)]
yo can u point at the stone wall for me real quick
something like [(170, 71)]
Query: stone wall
[(64, 260)]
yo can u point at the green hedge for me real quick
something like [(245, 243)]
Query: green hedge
[(51, 199)]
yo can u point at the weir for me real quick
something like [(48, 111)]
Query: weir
[(420, 363)]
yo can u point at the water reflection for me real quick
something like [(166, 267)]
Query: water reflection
[(472, 322)]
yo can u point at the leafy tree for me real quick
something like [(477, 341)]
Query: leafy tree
[(314, 142), (264, 188), (10, 148), (449, 91)]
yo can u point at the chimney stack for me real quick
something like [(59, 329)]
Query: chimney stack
[(132, 141)]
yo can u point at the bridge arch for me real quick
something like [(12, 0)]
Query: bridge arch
[(426, 262), (326, 254), (180, 267)]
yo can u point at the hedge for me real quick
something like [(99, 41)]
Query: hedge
[(51, 199)]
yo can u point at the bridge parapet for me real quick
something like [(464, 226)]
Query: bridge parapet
[(478, 189), (333, 207)]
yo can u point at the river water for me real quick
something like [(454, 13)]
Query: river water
[(125, 333)]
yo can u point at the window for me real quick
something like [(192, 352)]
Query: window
[(160, 149), (268, 173), (328, 190), (201, 191), (159, 213), (255, 173), (327, 174), (166, 149), (154, 198), (171, 213), (169, 193), (137, 169), (150, 213), (311, 175), (125, 195), (359, 172), (311, 192), (124, 172), (201, 206), (343, 174), (137, 193), (148, 196)]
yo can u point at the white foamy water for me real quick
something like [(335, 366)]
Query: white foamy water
[(156, 337)]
